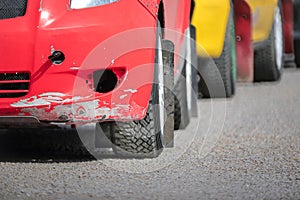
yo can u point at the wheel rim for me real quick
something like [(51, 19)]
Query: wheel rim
[(278, 38), (161, 95), (188, 68)]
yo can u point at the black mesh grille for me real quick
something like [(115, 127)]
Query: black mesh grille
[(12, 8), (14, 76), (14, 84)]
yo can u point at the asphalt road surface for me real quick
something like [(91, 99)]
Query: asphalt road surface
[(245, 148)]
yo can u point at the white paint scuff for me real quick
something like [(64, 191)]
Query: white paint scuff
[(131, 91)]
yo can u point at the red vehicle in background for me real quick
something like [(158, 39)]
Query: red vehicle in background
[(103, 62)]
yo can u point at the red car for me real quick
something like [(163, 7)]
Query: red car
[(104, 62)]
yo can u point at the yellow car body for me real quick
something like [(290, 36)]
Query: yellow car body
[(210, 19), (262, 18), (211, 16)]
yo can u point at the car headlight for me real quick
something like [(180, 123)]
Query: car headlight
[(77, 4)]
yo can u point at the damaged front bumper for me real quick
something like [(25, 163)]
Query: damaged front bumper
[(59, 107)]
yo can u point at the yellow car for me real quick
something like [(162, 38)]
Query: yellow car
[(214, 24), (258, 47)]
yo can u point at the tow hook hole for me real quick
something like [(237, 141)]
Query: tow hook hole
[(104, 81)]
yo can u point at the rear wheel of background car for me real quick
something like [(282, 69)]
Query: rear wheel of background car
[(268, 60), (211, 85), (145, 138), (297, 52)]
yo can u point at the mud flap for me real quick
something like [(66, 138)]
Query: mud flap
[(244, 46), (287, 6)]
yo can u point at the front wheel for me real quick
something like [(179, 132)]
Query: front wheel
[(147, 137), (218, 77), (268, 60)]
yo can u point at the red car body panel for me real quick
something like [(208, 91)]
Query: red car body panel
[(54, 95), (120, 37)]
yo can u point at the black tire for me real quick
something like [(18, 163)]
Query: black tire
[(144, 138), (297, 52), (138, 139), (266, 66), (218, 82)]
